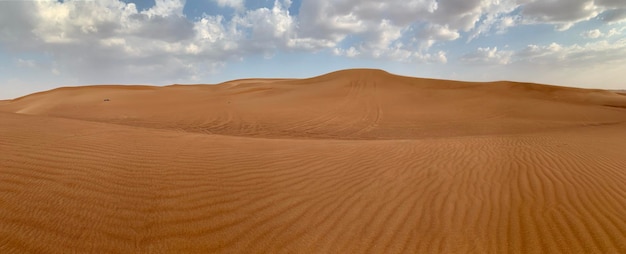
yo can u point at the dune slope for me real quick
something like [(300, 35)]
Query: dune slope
[(357, 161), (351, 104)]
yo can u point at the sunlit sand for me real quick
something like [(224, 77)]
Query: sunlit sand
[(355, 161)]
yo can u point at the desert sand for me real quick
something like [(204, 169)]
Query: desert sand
[(355, 161)]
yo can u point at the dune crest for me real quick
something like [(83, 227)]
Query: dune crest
[(354, 161), (347, 104)]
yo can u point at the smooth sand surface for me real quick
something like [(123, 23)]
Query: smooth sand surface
[(357, 161)]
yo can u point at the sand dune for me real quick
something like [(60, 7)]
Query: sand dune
[(356, 161)]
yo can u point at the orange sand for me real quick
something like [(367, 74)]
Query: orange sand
[(356, 161)]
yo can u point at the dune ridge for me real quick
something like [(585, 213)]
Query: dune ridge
[(348, 104), (355, 161)]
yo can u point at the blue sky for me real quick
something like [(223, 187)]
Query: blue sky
[(47, 44)]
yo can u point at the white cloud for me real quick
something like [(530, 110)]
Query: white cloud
[(351, 52), (596, 33), (439, 33), (498, 23), (110, 39), (267, 28), (592, 34), (235, 4), (589, 54), (380, 24), (438, 57), (565, 13), (614, 31), (506, 22), (161, 7), (488, 56), (554, 55)]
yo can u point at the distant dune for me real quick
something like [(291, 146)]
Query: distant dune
[(354, 161)]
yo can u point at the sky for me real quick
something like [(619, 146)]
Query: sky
[(52, 43)]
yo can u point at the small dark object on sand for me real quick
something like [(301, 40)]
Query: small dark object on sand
[(106, 100)]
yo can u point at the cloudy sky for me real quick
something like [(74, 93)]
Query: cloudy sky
[(50, 43)]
